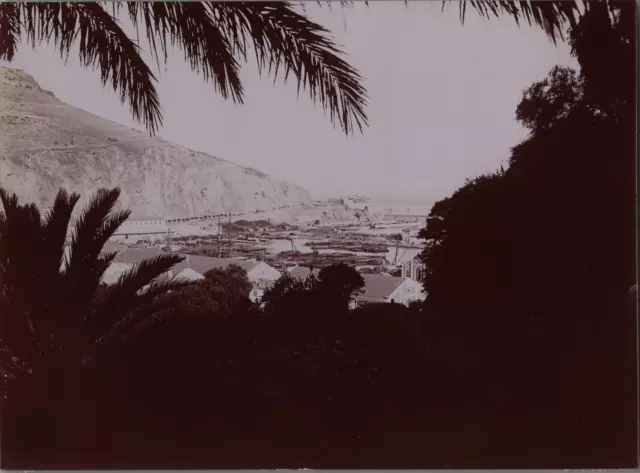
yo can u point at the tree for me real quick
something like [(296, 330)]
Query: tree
[(557, 110), (550, 100), (54, 314), (338, 283), (224, 291), (528, 269), (286, 295), (463, 236), (604, 42), (215, 38)]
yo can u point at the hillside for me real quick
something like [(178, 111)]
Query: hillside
[(46, 144)]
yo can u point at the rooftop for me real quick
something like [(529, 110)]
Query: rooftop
[(302, 272), (200, 264), (377, 287), (136, 255)]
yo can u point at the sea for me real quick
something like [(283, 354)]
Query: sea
[(399, 206), (381, 206)]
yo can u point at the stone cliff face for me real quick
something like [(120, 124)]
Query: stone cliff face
[(46, 144)]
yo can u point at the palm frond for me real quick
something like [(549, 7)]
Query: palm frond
[(284, 38), (213, 35), (551, 16), (110, 225), (55, 228), (143, 273), (9, 201), (9, 30), (329, 3), (128, 292), (84, 244), (162, 285), (21, 275), (84, 268), (147, 303), (103, 263), (102, 45), (191, 27), (144, 315)]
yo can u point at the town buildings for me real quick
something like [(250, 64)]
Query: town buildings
[(413, 268), (194, 267), (378, 288)]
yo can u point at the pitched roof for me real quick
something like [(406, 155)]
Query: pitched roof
[(189, 274), (379, 287), (202, 264), (136, 255), (302, 272), (197, 263), (112, 246)]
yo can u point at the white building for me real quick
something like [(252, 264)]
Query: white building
[(193, 268), (377, 288), (413, 268), (260, 274)]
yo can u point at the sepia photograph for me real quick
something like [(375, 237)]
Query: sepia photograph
[(377, 234)]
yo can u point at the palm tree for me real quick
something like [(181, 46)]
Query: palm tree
[(551, 16), (54, 312), (214, 36)]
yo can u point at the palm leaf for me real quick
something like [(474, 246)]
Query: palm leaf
[(47, 317), (102, 45), (85, 244), (84, 267), (143, 273), (284, 38), (211, 33), (145, 315), (191, 27), (129, 293), (55, 228), (148, 306), (20, 274), (9, 30), (551, 16)]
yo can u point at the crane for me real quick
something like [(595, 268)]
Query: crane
[(395, 258), (293, 246)]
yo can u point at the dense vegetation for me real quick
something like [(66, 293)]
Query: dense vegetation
[(523, 354), (528, 268)]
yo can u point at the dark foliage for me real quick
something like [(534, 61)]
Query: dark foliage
[(522, 356), (214, 36), (54, 314), (223, 292), (528, 270)]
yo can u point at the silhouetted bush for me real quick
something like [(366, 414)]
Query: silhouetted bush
[(523, 354)]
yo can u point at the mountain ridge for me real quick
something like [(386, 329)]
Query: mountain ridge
[(46, 144)]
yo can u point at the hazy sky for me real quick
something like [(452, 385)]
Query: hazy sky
[(442, 102)]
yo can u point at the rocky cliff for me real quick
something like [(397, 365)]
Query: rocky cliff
[(46, 144)]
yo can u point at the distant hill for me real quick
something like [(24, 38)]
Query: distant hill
[(46, 144)]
